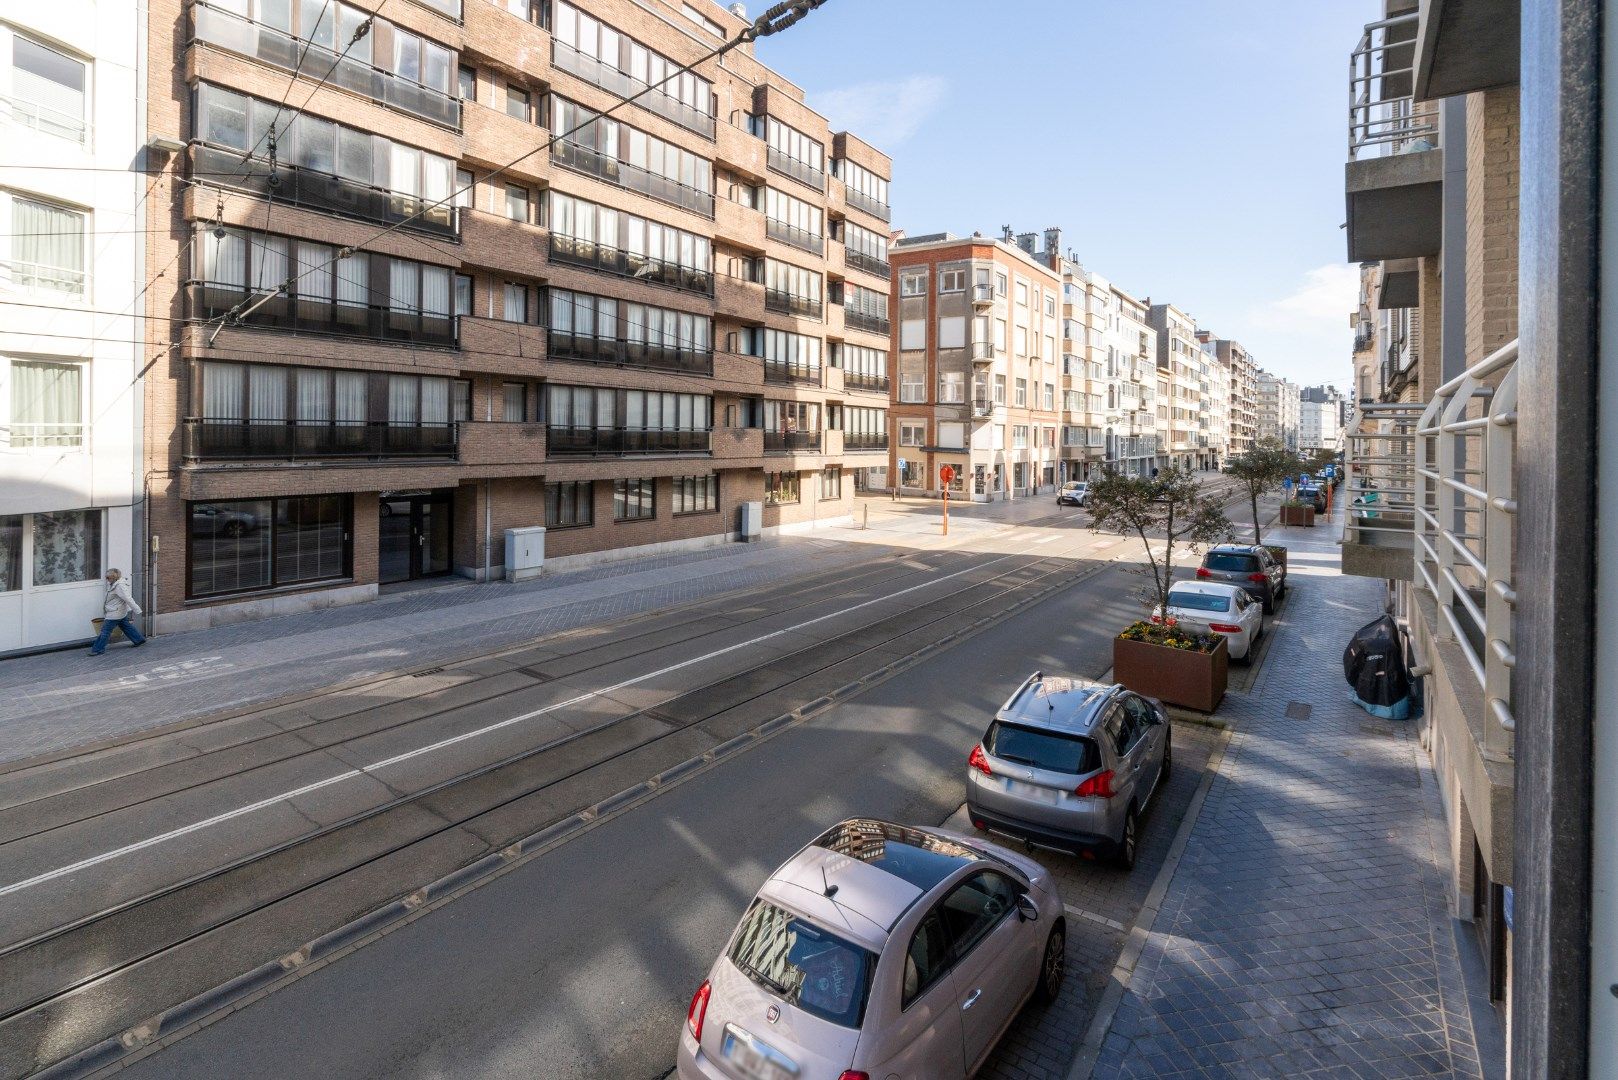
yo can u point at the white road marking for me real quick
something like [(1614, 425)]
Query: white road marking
[(398, 759), (1080, 913), (1045, 539)]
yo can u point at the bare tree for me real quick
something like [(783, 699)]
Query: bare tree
[(1260, 471), (1170, 505)]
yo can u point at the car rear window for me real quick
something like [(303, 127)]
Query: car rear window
[(805, 965), (1196, 601), (1053, 750), (1232, 563)]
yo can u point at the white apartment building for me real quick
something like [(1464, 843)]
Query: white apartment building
[(1278, 410), (1214, 438), (1180, 357), (1319, 426), (71, 273)]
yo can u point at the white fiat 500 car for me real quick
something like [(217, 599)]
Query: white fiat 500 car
[(1229, 611), (878, 951)]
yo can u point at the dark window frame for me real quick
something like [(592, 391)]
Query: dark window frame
[(345, 501), (575, 486), (644, 500)]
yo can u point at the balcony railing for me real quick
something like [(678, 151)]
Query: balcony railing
[(869, 263), (791, 442), (801, 171), (1379, 490), (983, 352), (859, 440), (785, 303), (611, 79), (46, 120), (859, 320), (312, 190), (798, 238), (41, 280), (982, 295), (869, 205), (215, 439), (611, 260), (622, 442), (55, 435), (216, 26), (566, 346), (591, 162), (791, 374), (322, 316), (1466, 527), (1383, 115), (859, 380), (982, 407)]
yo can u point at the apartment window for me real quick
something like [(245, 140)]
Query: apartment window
[(696, 494), (912, 433), (468, 83), (951, 387), (609, 140), (912, 334), (516, 202), (47, 403), (781, 487), (1019, 437), (806, 157), (1050, 305), (569, 505), (862, 181), (831, 484), (951, 281), (913, 283), (1000, 334), (47, 253), (952, 332), (1000, 284), (604, 238), (1022, 393), (246, 544), (702, 20), (514, 396), (47, 89), (999, 389), (516, 303), (952, 433), (684, 97), (913, 386), (1050, 397), (1022, 293), (465, 189), (870, 248), (1050, 349), (463, 295), (634, 499)]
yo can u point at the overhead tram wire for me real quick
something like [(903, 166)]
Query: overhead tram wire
[(778, 18)]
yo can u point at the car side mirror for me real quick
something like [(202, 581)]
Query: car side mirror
[(1027, 911)]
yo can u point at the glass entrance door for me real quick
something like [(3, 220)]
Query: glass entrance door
[(414, 535)]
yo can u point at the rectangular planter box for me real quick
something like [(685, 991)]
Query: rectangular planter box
[(1194, 680), (1298, 515)]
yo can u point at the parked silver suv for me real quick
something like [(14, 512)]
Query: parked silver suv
[(1070, 765)]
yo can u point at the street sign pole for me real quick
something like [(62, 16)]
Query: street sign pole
[(946, 474)]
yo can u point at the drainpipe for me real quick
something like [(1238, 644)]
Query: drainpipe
[(488, 529)]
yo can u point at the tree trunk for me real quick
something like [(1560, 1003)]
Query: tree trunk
[(1257, 538)]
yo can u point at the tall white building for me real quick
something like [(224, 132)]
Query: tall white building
[(1319, 425), (71, 271), (1278, 410)]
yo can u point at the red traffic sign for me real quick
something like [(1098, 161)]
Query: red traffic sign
[(947, 473)]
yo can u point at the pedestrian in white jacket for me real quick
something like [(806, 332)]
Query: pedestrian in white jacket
[(118, 611)]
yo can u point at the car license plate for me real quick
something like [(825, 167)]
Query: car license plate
[(754, 1059), (1032, 792)]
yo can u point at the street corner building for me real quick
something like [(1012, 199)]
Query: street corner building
[(388, 325)]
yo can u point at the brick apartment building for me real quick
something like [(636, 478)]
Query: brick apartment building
[(978, 384), (671, 312)]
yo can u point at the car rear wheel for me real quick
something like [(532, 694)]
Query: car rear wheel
[(1127, 843), (1052, 966), (1168, 760)]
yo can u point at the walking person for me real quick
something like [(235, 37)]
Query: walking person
[(118, 611)]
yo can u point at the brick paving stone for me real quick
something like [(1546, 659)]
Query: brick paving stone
[(1305, 931)]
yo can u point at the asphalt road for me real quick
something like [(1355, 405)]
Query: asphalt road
[(579, 963)]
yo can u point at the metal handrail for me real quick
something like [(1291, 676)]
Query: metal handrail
[(46, 120), (1391, 122)]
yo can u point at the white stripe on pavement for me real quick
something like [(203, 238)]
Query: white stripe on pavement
[(398, 759), (1080, 913)]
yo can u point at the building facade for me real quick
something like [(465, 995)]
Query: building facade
[(73, 199), (1318, 426), (1241, 381), (977, 380), (1180, 358), (1278, 409), (403, 325)]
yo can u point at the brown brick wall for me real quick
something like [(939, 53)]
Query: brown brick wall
[(1493, 128)]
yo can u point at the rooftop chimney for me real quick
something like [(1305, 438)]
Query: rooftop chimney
[(1053, 241), (1027, 240)]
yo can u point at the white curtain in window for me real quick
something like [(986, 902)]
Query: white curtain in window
[(403, 286), (435, 401), (435, 290), (314, 397), (402, 406), (224, 258), (353, 273), (348, 401), (67, 547), (221, 391), (48, 243), (266, 394), (314, 272), (268, 258), (46, 404)]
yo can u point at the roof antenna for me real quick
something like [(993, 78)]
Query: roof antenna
[(830, 889)]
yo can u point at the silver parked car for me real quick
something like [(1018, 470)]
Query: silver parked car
[(878, 951), (1071, 765)]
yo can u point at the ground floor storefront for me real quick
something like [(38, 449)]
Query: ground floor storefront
[(52, 564)]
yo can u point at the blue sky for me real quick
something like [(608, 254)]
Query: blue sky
[(1192, 150)]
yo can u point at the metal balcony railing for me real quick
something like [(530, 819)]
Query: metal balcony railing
[(862, 201), (624, 442), (592, 162), (982, 295), (859, 380), (1379, 488), (982, 407), (321, 315), (617, 82), (1383, 115), (598, 256), (44, 434), (1466, 527), (785, 303), (47, 120), (869, 263), (791, 441), (563, 345), (217, 26), (798, 238), (296, 186), (220, 439), (859, 440), (776, 371), (39, 279), (801, 171), (983, 352), (859, 320)]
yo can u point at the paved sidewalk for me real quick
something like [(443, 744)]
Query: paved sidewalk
[(54, 701), (1305, 931)]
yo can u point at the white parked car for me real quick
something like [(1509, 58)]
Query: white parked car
[(1208, 607)]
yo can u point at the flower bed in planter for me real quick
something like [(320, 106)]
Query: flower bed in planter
[(1298, 514), (1169, 664)]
